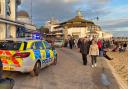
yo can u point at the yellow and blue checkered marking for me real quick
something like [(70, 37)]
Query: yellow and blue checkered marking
[(37, 54)]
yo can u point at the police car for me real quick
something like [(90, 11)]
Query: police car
[(26, 55)]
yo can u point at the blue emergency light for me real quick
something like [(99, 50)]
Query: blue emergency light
[(36, 36)]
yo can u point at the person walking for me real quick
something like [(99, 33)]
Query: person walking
[(76, 41), (84, 49), (71, 43), (94, 52), (99, 43), (79, 43)]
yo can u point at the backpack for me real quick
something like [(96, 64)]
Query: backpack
[(6, 83)]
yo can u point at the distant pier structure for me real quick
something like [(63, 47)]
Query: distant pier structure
[(120, 39)]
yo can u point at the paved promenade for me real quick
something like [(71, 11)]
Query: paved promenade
[(69, 73)]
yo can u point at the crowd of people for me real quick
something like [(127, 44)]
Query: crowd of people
[(71, 43), (95, 47)]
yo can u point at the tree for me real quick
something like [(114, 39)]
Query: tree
[(43, 30)]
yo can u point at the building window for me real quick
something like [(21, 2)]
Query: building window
[(0, 7), (8, 10)]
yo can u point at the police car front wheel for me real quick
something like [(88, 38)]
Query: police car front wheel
[(36, 69)]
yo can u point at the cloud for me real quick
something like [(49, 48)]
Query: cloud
[(120, 24), (111, 17), (64, 9), (116, 20)]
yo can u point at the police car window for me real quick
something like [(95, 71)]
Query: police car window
[(25, 45), (47, 45), (10, 45), (39, 45), (33, 46)]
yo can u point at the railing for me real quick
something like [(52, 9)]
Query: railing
[(124, 39)]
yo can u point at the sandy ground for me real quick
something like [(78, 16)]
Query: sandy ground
[(120, 64), (69, 73)]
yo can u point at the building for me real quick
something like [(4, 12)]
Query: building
[(78, 27), (55, 30), (51, 24), (24, 18), (9, 24)]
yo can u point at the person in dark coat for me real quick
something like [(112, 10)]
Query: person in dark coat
[(79, 42), (71, 42), (84, 49), (65, 43)]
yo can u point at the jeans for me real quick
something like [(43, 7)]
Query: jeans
[(93, 59)]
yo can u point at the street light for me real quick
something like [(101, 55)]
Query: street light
[(31, 11)]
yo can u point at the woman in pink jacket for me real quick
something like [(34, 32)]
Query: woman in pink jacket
[(94, 52)]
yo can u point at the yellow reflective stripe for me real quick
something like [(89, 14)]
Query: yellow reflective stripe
[(12, 52), (44, 44), (10, 62), (43, 54), (19, 60), (51, 54), (29, 45), (32, 55), (22, 46)]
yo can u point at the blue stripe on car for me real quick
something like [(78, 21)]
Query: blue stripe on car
[(37, 54)]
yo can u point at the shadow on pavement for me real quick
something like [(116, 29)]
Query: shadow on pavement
[(102, 76)]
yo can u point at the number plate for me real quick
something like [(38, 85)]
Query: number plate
[(8, 68)]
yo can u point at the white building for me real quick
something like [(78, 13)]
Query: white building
[(51, 24), (8, 19), (78, 27), (23, 17)]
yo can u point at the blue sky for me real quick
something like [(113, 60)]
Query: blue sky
[(113, 14)]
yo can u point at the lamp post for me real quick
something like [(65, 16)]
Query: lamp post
[(31, 11)]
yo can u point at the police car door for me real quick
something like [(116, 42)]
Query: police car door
[(49, 53), (40, 53)]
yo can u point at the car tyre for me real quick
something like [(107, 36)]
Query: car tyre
[(36, 69)]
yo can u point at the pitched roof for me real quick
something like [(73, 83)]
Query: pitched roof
[(77, 22)]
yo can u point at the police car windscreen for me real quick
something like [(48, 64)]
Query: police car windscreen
[(10, 45)]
